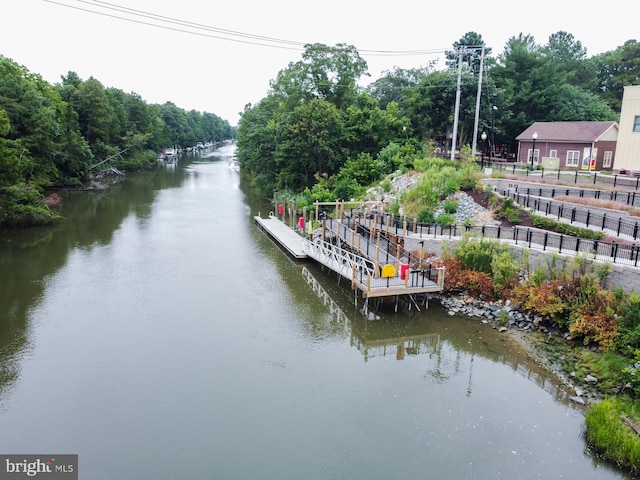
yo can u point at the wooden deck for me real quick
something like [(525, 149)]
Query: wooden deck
[(283, 235)]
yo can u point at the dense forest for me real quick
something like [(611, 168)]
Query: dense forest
[(64, 134), (320, 135)]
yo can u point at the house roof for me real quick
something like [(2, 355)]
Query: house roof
[(586, 132)]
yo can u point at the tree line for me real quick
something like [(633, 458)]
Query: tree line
[(317, 132), (59, 135)]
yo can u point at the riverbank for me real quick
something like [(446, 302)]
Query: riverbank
[(544, 342)]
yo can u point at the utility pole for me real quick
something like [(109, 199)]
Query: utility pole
[(461, 50), (475, 125)]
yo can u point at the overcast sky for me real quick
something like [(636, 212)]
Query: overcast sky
[(235, 47)]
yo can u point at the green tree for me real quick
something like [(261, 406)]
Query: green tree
[(257, 142), (12, 163), (309, 144), (328, 73), (616, 69)]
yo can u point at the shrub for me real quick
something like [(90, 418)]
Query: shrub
[(543, 300), (450, 206), (445, 219), (629, 318), (22, 205), (631, 374), (458, 278), (504, 269), (509, 211), (426, 215), (565, 228), (477, 253)]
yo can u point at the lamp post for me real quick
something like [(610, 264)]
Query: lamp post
[(533, 150), (484, 147)]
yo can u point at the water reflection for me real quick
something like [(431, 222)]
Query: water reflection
[(448, 344), (29, 257)]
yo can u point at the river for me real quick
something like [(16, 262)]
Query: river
[(158, 333)]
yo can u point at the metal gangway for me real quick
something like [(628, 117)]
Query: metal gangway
[(345, 256)]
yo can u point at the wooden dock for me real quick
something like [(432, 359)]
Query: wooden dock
[(362, 271), (286, 237)]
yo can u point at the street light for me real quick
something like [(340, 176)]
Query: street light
[(484, 147), (533, 151)]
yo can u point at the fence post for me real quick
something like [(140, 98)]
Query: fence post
[(575, 180), (635, 231), (560, 243), (546, 236)]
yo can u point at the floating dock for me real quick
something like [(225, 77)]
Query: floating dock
[(283, 235)]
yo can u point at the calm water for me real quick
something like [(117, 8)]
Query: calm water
[(159, 334)]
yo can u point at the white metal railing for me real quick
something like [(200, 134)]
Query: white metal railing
[(337, 259)]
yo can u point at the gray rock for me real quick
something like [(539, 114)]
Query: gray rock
[(590, 379)]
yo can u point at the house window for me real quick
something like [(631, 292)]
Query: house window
[(536, 155), (606, 160), (573, 158), (636, 123), (553, 153)]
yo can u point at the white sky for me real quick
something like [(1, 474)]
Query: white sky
[(221, 76)]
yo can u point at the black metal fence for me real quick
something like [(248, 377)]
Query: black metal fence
[(581, 215), (630, 198), (615, 180), (526, 237)]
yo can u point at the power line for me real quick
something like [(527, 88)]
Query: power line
[(168, 27), (192, 28), (172, 20)]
